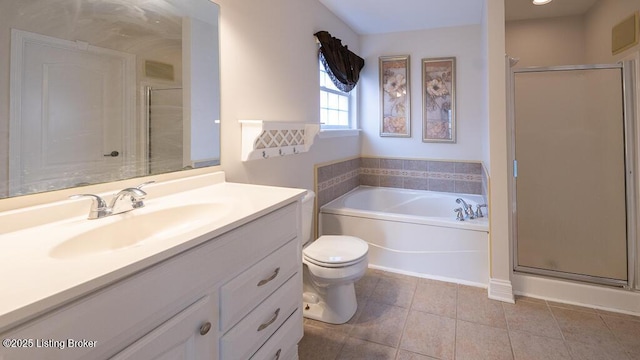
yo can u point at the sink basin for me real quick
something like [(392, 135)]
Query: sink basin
[(135, 229)]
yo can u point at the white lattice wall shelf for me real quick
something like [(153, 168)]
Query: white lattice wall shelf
[(264, 139)]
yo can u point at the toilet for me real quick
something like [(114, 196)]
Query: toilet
[(331, 266)]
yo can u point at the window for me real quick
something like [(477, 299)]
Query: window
[(335, 105)]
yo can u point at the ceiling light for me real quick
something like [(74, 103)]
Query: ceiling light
[(541, 2)]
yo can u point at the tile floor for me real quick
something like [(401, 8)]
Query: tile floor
[(407, 318)]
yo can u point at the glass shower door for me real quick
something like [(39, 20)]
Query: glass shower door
[(165, 130), (571, 215)]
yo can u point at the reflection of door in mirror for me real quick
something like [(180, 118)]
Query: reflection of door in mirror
[(159, 36), (71, 111), (165, 127)]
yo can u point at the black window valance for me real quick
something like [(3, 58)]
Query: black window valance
[(342, 65)]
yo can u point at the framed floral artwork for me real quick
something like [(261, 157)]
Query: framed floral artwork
[(439, 100), (394, 96)]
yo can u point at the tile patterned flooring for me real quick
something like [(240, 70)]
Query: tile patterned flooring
[(407, 318)]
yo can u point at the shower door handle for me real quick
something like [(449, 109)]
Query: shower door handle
[(112, 154)]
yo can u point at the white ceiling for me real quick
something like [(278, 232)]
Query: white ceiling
[(385, 16)]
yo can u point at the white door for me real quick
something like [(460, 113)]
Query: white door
[(70, 114), (190, 335)]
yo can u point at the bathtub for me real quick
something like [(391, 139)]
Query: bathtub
[(414, 232)]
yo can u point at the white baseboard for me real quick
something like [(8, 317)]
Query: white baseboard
[(570, 292), (501, 290)]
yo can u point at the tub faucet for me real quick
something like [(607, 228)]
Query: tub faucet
[(468, 209)]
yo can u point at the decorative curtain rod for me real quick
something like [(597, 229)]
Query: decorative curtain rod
[(342, 65)]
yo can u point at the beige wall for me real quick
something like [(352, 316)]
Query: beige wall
[(579, 39), (498, 171), (269, 71), (546, 42), (603, 16)]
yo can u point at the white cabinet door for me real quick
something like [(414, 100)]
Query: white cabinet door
[(190, 335)]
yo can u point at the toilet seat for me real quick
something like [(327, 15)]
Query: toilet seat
[(335, 251)]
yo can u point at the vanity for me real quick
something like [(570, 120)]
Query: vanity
[(205, 270)]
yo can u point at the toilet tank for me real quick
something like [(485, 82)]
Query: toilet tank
[(307, 216)]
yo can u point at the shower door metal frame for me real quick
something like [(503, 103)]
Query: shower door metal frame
[(147, 93), (627, 75)]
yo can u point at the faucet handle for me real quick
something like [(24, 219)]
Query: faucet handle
[(97, 201), (98, 208), (127, 200), (134, 192), (145, 184), (479, 207), (460, 214)]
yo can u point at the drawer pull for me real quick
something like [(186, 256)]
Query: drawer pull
[(278, 354), (264, 281), (204, 329), (273, 318)]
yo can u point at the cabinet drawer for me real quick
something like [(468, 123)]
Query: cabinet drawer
[(252, 331), (283, 345), (246, 291)]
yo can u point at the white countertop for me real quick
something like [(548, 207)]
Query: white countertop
[(35, 282)]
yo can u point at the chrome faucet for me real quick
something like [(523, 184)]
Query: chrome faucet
[(125, 200), (468, 209), (99, 208)]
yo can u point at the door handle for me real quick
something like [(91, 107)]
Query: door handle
[(112, 154)]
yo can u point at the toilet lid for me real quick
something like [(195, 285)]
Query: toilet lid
[(336, 250)]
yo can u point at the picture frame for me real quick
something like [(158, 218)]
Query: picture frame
[(439, 100), (395, 97)]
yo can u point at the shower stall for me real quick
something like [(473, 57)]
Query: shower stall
[(573, 191)]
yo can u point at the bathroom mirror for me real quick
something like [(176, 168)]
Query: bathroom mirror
[(96, 91)]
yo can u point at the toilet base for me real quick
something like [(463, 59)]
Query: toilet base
[(333, 305)]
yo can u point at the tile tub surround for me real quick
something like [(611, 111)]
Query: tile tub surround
[(336, 179), (433, 175), (430, 319)]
